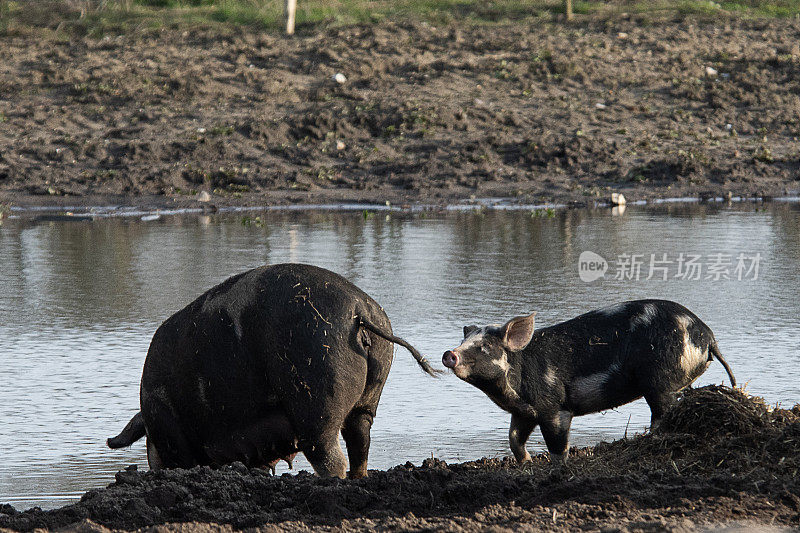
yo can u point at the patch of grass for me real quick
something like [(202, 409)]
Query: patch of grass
[(248, 221), (443, 11), (264, 15), (339, 12), (548, 212), (779, 8), (701, 7), (763, 154), (174, 3), (99, 17), (5, 16), (221, 130)]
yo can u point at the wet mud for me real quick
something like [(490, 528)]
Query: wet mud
[(720, 458)]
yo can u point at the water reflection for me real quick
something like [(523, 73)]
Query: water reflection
[(79, 302)]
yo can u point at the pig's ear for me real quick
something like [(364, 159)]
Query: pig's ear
[(468, 330), (517, 332)]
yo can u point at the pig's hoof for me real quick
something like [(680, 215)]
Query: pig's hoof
[(558, 463)]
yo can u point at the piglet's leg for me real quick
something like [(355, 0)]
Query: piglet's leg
[(518, 434), (555, 430)]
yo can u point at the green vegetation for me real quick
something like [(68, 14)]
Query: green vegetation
[(548, 212), (248, 221), (764, 155), (221, 130), (99, 17)]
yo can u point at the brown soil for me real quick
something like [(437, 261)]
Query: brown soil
[(427, 114), (719, 458)]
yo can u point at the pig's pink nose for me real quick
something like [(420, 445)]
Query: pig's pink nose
[(450, 359)]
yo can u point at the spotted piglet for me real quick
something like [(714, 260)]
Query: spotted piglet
[(597, 361)]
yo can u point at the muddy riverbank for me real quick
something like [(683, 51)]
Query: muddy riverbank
[(720, 458), (541, 112)]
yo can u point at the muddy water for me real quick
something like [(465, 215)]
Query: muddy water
[(79, 302)]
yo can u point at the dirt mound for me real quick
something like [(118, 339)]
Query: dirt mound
[(721, 456), (716, 411), (710, 431)]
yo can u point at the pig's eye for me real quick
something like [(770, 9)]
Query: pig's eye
[(485, 350)]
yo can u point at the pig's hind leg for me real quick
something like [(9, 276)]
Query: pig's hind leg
[(355, 431), (318, 438), (153, 459), (167, 445), (659, 402), (326, 456), (555, 430)]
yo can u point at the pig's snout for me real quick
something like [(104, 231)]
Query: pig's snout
[(450, 359)]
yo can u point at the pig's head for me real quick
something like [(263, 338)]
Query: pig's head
[(486, 354)]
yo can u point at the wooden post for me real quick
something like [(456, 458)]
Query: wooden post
[(568, 9), (291, 8)]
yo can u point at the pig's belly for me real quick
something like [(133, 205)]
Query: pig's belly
[(260, 443)]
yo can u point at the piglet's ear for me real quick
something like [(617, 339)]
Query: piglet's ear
[(468, 330), (517, 332)]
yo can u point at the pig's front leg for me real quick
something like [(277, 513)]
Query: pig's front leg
[(555, 430), (518, 433)]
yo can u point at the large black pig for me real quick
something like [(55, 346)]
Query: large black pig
[(597, 361), (273, 361)]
